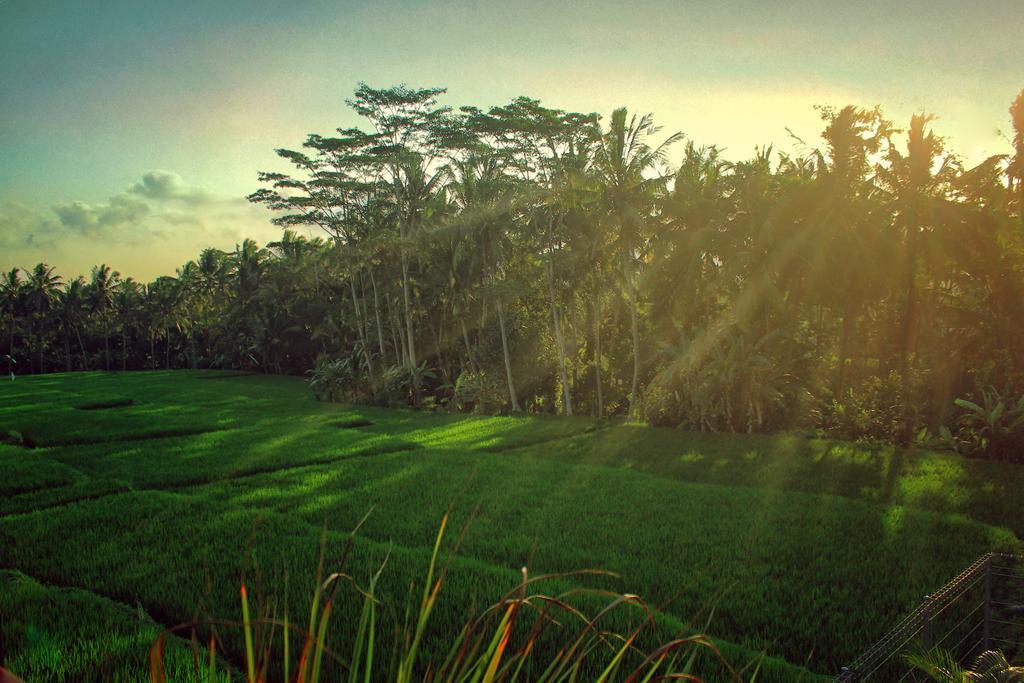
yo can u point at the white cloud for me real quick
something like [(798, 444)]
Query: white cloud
[(157, 224), (100, 220), (22, 226), (167, 185)]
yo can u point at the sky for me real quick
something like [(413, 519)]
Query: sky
[(131, 132)]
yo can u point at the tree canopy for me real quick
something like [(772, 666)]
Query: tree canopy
[(523, 258)]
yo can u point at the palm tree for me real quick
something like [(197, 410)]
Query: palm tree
[(484, 196), (10, 303), (843, 221), (688, 250), (102, 286), (164, 301), (73, 302), (627, 167), (918, 185), (126, 301), (415, 189), (248, 269), (1015, 171), (42, 290)]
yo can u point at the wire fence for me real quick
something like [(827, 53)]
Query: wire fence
[(982, 608)]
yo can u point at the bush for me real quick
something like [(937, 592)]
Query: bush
[(479, 392), (330, 378), (992, 425), (872, 411)]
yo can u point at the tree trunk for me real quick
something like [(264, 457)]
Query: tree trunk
[(559, 341), (845, 333), (362, 335), (435, 330), (508, 360), (167, 350), (106, 346), (67, 350), (124, 347), (10, 349), (376, 313), (39, 345), (364, 310), (397, 340), (908, 340), (152, 350), (481, 396), (81, 348), (407, 299), (573, 345), (483, 323), (596, 305), (635, 326)]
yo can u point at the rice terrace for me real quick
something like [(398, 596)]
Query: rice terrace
[(125, 510), (442, 342)]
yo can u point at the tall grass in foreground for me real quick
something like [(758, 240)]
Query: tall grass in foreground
[(498, 644)]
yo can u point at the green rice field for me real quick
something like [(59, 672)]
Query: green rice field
[(131, 502)]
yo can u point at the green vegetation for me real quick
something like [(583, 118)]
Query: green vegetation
[(802, 549), (69, 634), (527, 259)]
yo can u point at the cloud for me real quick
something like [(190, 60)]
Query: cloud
[(166, 186), (23, 227), (97, 220), (157, 206), (156, 224)]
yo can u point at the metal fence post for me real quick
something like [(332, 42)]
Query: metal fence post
[(926, 625), (987, 627)]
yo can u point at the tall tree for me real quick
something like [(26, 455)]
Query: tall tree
[(628, 167), (42, 291), (73, 303), (102, 286), (10, 304)]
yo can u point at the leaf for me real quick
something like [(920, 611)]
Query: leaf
[(972, 406)]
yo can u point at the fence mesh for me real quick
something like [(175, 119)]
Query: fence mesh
[(981, 608)]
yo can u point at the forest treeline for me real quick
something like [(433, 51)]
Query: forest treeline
[(523, 258)]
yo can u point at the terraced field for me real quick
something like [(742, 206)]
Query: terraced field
[(147, 494)]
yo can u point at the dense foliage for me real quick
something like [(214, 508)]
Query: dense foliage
[(165, 501), (523, 258)]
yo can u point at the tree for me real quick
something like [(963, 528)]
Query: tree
[(1015, 170), (10, 305), (73, 304), (628, 170), (42, 291), (403, 152), (485, 198), (843, 220), (125, 302), (102, 286), (918, 184), (531, 253)]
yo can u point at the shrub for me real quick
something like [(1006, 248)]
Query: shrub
[(479, 392), (992, 425), (330, 378), (990, 665), (872, 411)]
